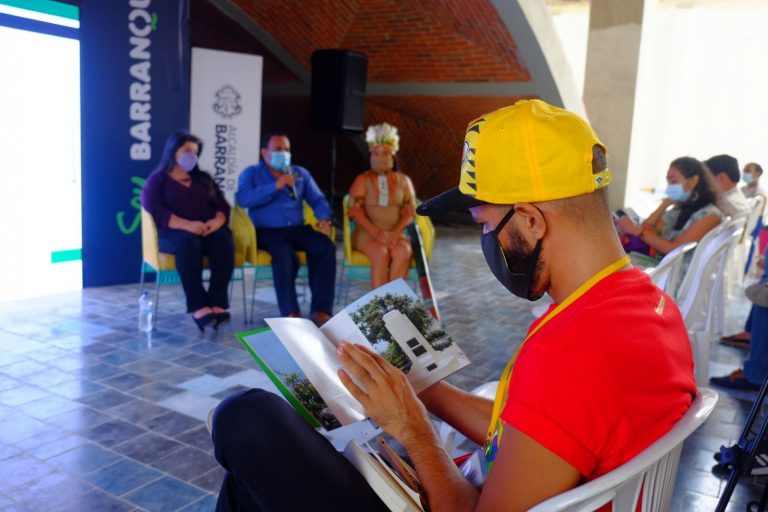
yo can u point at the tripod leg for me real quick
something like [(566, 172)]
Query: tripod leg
[(749, 450)]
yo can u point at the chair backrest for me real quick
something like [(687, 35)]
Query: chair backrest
[(426, 228), (666, 275), (755, 214), (244, 234), (647, 478), (311, 220), (695, 302), (705, 241), (150, 248), (347, 227)]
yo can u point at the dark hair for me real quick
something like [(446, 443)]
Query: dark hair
[(757, 167), (724, 164), (168, 161), (267, 136), (703, 194), (172, 145)]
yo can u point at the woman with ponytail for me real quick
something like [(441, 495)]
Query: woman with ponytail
[(685, 215)]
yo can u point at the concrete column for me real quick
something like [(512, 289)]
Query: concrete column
[(616, 31)]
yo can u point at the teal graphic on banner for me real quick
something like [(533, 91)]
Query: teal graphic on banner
[(134, 93)]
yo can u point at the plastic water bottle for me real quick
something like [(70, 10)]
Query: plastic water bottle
[(145, 313)]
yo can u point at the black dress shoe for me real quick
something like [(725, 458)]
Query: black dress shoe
[(204, 320), (222, 318)]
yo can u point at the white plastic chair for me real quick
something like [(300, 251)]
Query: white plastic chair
[(752, 241), (723, 278), (649, 477), (707, 239), (695, 301), (749, 243), (666, 275), (698, 306), (449, 436)]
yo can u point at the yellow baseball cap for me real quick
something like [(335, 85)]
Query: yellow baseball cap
[(524, 153)]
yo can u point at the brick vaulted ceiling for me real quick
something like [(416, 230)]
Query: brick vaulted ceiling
[(405, 41), (433, 66)]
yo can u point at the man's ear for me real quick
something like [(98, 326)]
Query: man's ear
[(530, 220), (264, 153)]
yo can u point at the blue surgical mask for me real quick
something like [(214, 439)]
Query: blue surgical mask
[(676, 192), (519, 284), (187, 161), (748, 178), (280, 159)]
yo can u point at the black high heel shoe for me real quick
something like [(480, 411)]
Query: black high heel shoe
[(204, 320), (222, 318)]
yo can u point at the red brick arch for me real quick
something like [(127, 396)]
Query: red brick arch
[(432, 43)]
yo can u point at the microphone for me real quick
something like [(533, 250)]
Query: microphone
[(292, 190)]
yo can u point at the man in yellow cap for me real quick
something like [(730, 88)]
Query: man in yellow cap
[(602, 374)]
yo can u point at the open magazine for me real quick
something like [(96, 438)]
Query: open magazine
[(300, 358)]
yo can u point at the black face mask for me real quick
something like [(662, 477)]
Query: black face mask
[(519, 283)]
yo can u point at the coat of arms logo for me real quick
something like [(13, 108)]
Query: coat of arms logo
[(227, 102)]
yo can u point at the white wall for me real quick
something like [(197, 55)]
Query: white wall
[(39, 163), (701, 87)]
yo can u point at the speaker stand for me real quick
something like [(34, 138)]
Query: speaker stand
[(332, 199)]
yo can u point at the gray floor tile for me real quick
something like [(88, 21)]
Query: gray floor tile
[(95, 500), (171, 424), (186, 464), (20, 470), (112, 432), (44, 493), (103, 400), (165, 494), (83, 350), (156, 391), (78, 419), (198, 437), (205, 504), (211, 481), (148, 447), (122, 477), (138, 411), (126, 381)]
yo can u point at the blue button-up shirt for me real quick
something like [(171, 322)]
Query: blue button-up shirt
[(269, 207)]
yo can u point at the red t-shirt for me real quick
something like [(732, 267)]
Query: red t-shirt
[(606, 377)]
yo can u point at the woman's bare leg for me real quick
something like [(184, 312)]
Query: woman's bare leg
[(401, 259), (380, 259)]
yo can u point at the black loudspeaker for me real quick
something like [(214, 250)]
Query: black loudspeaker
[(338, 90)]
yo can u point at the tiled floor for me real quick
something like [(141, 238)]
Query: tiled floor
[(96, 416)]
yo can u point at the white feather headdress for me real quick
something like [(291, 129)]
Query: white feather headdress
[(383, 134)]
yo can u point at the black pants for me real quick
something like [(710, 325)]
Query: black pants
[(282, 244), (189, 250), (276, 462)]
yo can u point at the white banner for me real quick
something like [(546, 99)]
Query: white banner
[(225, 112)]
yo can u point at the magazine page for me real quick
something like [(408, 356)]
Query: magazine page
[(270, 353), (395, 495), (316, 356), (397, 325)]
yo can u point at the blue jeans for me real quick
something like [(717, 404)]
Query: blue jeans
[(282, 244), (189, 250), (756, 367), (275, 461)]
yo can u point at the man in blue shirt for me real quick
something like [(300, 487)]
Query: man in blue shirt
[(274, 191)]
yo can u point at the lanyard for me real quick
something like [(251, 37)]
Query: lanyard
[(501, 391)]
